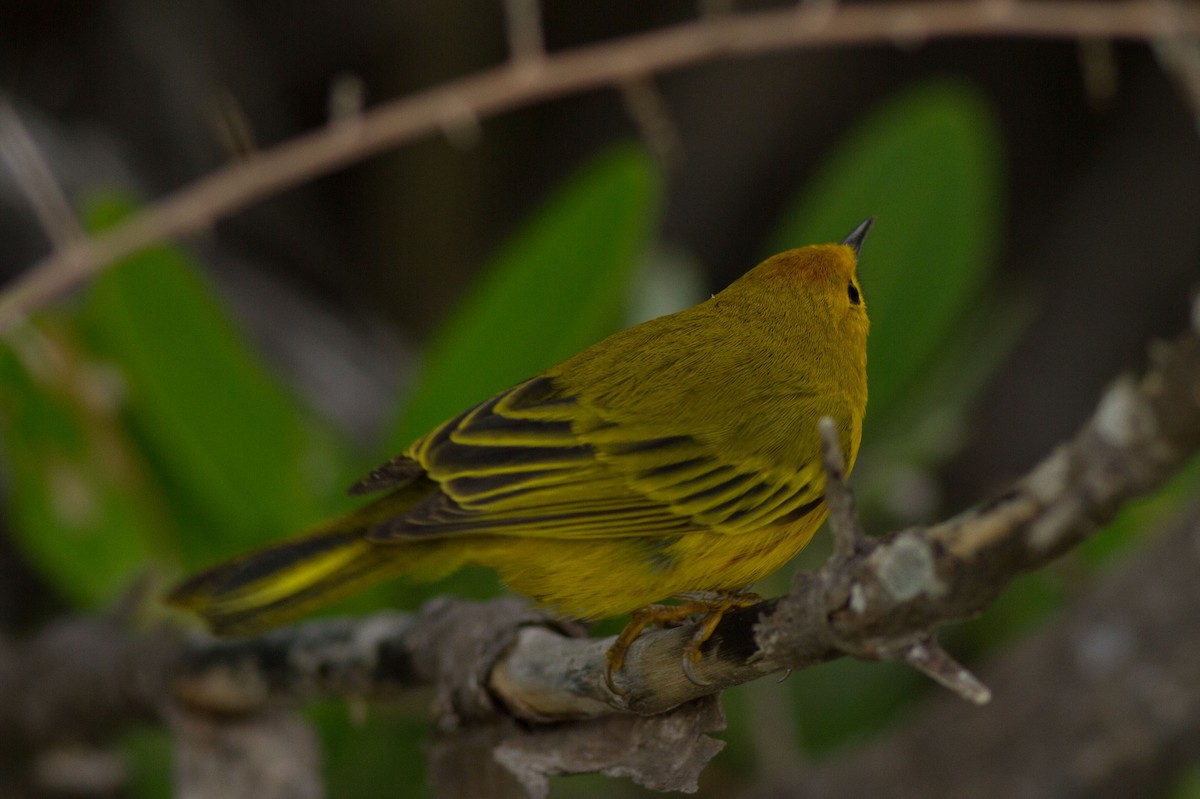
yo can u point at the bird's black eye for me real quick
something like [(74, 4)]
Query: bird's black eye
[(854, 298)]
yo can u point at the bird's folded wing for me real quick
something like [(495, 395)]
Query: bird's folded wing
[(533, 461)]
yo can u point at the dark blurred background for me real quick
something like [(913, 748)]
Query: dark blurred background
[(342, 281), (1102, 187)]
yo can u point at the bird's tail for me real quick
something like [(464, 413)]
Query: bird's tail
[(278, 583)]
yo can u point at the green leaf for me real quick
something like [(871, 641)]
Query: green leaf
[(358, 751), (81, 505), (849, 699), (558, 286), (140, 429), (1187, 785), (230, 446), (148, 758), (927, 165)]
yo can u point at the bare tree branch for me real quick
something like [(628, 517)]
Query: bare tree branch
[(1102, 702), (490, 662), (891, 595), (525, 80)]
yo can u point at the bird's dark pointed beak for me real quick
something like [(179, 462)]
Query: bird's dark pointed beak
[(855, 237)]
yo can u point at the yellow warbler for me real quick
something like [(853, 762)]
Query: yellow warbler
[(678, 456)]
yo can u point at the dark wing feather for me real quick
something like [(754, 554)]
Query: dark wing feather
[(534, 462), (399, 471)]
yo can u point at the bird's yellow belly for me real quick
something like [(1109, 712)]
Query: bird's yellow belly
[(598, 578)]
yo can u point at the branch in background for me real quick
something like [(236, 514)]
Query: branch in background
[(1181, 60), (494, 661), (649, 111), (64, 696), (526, 40), (36, 179), (48, 693), (272, 754), (530, 77)]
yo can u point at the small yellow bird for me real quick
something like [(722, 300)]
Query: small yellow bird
[(678, 456)]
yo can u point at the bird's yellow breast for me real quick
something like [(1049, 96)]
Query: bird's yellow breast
[(594, 579)]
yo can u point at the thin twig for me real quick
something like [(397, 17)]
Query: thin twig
[(347, 97), (848, 535), (526, 41), (1181, 59), (928, 657), (920, 651), (200, 204), (29, 168), (231, 126), (1098, 69), (649, 111)]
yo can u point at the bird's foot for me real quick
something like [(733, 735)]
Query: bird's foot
[(711, 606)]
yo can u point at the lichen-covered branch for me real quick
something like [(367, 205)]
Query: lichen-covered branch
[(887, 597), (875, 598), (1103, 701)]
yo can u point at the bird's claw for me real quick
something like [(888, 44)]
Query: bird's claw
[(713, 606), (609, 670), (687, 663)]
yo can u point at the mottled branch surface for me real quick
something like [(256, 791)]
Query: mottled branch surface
[(1104, 701), (491, 663)]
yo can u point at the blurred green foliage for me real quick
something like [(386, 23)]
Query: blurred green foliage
[(232, 448), (81, 499), (143, 429), (556, 287), (1188, 786), (140, 428), (926, 164)]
